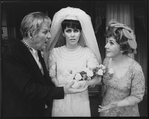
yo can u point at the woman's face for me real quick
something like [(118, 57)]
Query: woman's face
[(72, 36), (41, 38), (112, 48)]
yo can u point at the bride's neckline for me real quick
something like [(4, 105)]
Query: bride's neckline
[(73, 49)]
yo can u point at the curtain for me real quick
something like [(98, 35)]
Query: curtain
[(123, 12), (141, 37), (11, 27)]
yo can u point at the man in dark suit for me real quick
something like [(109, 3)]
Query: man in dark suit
[(26, 85)]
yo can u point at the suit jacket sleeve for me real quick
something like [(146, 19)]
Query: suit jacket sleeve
[(26, 79)]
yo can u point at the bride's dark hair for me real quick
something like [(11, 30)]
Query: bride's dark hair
[(75, 24)]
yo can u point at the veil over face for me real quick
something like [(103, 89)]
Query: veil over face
[(87, 38)]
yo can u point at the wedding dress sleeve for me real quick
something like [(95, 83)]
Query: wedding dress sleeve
[(52, 67), (91, 59)]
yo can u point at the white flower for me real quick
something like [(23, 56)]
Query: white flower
[(102, 67), (89, 73), (111, 71), (100, 72), (78, 76)]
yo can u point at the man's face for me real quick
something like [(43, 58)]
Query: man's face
[(41, 38)]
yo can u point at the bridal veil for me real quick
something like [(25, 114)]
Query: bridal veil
[(87, 38)]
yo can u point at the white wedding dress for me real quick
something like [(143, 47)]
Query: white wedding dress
[(62, 62)]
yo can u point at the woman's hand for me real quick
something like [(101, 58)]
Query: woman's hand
[(107, 107)]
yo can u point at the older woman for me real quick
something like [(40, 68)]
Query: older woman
[(124, 81)]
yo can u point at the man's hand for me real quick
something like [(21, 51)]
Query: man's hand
[(68, 89)]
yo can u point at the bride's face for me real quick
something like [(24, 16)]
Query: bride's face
[(72, 36)]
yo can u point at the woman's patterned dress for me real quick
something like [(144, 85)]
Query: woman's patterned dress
[(130, 87)]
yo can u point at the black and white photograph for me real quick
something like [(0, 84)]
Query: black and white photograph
[(74, 58)]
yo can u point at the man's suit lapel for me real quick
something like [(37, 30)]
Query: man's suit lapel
[(43, 77), (30, 59)]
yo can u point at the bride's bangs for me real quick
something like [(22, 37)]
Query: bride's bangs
[(71, 24)]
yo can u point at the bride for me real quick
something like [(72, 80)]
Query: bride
[(72, 47)]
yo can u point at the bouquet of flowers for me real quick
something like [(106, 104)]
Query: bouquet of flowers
[(88, 74)]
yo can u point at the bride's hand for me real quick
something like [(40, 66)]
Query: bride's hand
[(68, 89), (79, 84), (83, 84)]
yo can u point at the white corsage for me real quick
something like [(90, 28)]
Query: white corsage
[(109, 74), (100, 70), (111, 71)]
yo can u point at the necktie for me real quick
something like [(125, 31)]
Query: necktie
[(41, 61), (37, 59)]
